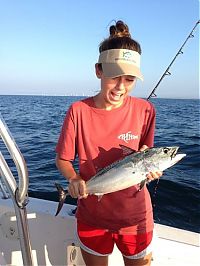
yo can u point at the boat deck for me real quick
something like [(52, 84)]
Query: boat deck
[(54, 243)]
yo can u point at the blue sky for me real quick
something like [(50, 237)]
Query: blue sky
[(50, 47)]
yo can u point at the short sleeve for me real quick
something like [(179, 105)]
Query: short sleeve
[(148, 131), (65, 147)]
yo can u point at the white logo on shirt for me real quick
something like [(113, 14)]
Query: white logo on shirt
[(127, 136)]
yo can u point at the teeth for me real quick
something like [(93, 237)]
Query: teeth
[(116, 95)]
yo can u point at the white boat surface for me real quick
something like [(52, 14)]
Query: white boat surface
[(53, 239)]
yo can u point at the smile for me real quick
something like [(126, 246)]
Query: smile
[(116, 95)]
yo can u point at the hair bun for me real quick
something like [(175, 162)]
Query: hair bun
[(119, 38), (120, 29)]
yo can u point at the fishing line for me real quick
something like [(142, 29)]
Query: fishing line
[(154, 198), (153, 194)]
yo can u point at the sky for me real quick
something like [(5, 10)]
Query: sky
[(50, 47)]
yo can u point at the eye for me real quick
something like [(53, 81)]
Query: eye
[(165, 150), (130, 80)]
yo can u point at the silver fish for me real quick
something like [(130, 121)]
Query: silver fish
[(127, 172)]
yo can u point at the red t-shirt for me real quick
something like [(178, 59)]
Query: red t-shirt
[(94, 136)]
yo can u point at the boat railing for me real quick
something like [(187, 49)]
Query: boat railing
[(3, 190), (18, 191)]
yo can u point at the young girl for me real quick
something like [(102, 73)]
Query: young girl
[(93, 130)]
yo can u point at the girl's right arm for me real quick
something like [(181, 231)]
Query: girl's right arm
[(77, 187)]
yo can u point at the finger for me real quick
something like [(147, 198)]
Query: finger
[(83, 197), (150, 177), (71, 191), (160, 173), (157, 174), (82, 190), (77, 189), (74, 189), (144, 147), (154, 175)]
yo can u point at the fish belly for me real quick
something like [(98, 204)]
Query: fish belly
[(114, 180)]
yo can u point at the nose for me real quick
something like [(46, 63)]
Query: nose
[(120, 83)]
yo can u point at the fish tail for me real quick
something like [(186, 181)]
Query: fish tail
[(62, 196)]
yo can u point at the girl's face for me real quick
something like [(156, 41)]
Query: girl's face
[(113, 90)]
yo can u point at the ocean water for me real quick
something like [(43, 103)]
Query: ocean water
[(35, 123)]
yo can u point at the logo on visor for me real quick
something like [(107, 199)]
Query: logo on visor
[(127, 55)]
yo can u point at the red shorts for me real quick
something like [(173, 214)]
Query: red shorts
[(101, 241)]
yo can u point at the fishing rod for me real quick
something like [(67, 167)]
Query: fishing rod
[(191, 35)]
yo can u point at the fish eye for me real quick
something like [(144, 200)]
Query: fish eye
[(165, 150)]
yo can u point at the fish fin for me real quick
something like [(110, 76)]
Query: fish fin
[(126, 150), (99, 195), (142, 184), (62, 196)]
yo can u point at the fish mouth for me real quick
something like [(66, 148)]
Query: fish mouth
[(176, 157)]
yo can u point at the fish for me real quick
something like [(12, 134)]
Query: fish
[(131, 170)]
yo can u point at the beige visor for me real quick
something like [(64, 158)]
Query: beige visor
[(119, 62)]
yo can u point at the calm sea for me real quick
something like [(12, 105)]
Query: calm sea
[(35, 123)]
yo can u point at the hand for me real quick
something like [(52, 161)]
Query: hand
[(77, 188), (152, 175)]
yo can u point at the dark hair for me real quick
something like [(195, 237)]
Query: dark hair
[(120, 38)]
